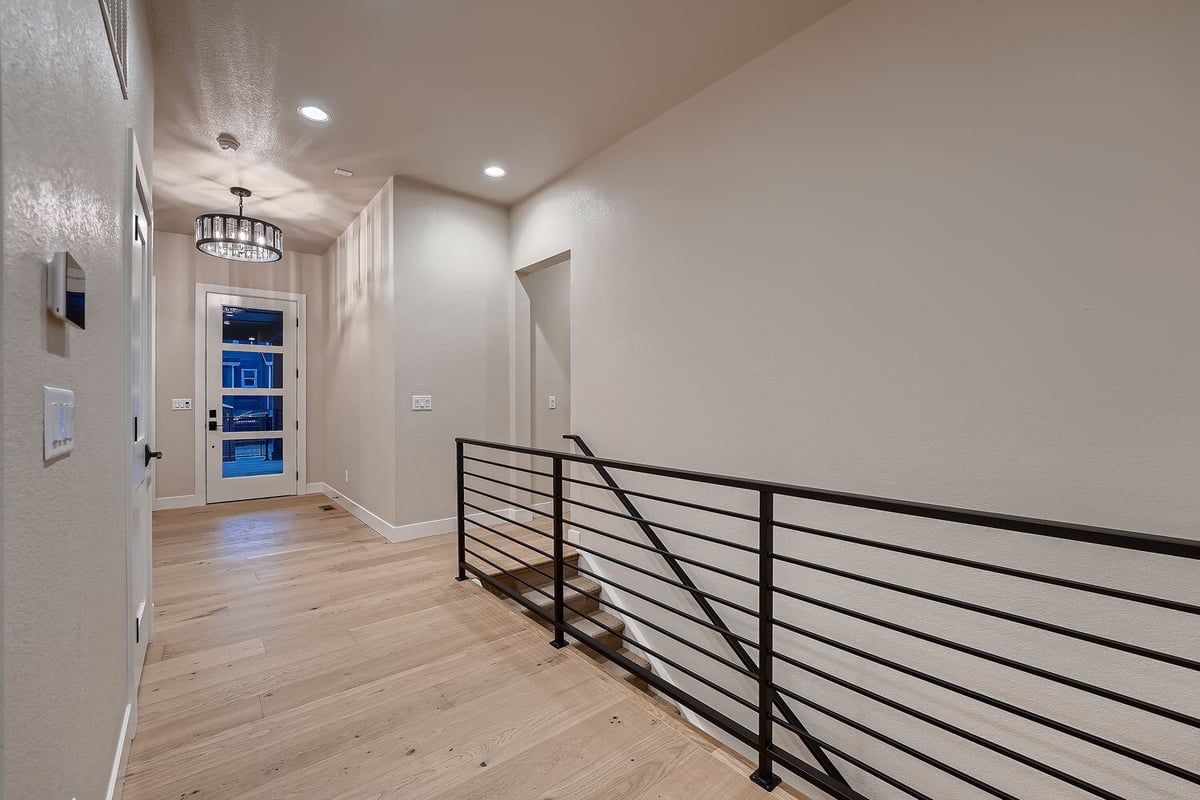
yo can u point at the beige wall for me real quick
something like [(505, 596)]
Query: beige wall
[(178, 267), (64, 135), (358, 383), (453, 291), (927, 249)]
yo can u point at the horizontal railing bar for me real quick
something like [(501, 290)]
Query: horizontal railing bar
[(1003, 705), (693, 645), (506, 483), (656, 576), (512, 539), (646, 495), (573, 630), (665, 527), (968, 735), (509, 572), (1074, 683), (509, 466), (1122, 594), (810, 740), (510, 502), (651, 548), (1007, 616), (901, 746), (510, 592), (507, 521), (835, 787), (1152, 543), (665, 607)]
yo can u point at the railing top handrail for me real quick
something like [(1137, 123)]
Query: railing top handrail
[(1112, 537)]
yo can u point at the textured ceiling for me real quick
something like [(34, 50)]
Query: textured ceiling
[(431, 89)]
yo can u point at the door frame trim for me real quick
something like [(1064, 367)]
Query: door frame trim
[(301, 300)]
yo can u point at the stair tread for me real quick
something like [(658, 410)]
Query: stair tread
[(590, 589), (592, 626)]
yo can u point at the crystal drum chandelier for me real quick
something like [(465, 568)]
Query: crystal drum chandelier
[(238, 238)]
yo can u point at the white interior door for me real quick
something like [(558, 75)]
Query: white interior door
[(250, 414), (140, 455)]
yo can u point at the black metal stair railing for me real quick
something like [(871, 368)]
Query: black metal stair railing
[(775, 730)]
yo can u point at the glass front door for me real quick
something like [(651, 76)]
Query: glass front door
[(250, 414)]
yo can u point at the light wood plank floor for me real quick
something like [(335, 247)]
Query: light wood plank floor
[(299, 655)]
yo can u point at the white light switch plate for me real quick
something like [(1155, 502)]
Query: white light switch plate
[(181, 404), (58, 422), (422, 402), (552, 402)]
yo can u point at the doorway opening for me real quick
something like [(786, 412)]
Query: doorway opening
[(548, 290)]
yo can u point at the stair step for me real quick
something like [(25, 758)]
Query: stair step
[(598, 633), (519, 578), (580, 602), (665, 704), (617, 671)]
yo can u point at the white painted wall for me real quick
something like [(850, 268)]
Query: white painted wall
[(179, 267), (64, 136), (453, 291), (416, 302), (358, 353), (934, 250)]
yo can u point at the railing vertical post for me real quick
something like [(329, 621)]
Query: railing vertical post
[(559, 606), (765, 776), (462, 515)]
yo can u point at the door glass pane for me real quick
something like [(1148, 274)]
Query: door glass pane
[(241, 413), (241, 370), (245, 458), (251, 326)]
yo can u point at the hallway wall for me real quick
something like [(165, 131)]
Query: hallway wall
[(178, 267), (64, 137), (925, 249), (453, 292), (358, 383), (417, 295)]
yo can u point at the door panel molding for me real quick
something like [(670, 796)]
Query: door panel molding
[(200, 466)]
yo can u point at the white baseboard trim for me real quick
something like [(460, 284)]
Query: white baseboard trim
[(116, 780), (315, 488), (178, 501), (412, 530)]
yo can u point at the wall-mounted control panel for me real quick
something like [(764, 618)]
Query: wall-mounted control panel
[(181, 404), (58, 422), (66, 289), (422, 402)]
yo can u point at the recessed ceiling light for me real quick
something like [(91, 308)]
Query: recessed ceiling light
[(495, 171), (313, 113), (343, 172)]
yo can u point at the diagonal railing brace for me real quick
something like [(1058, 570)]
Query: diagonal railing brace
[(738, 648)]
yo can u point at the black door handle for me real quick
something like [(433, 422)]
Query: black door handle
[(151, 454)]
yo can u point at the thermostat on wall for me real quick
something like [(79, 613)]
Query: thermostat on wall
[(66, 288)]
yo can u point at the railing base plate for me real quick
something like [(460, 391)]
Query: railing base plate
[(558, 645), (769, 782), (463, 578)]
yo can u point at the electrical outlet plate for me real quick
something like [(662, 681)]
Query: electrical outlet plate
[(552, 401), (422, 402)]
